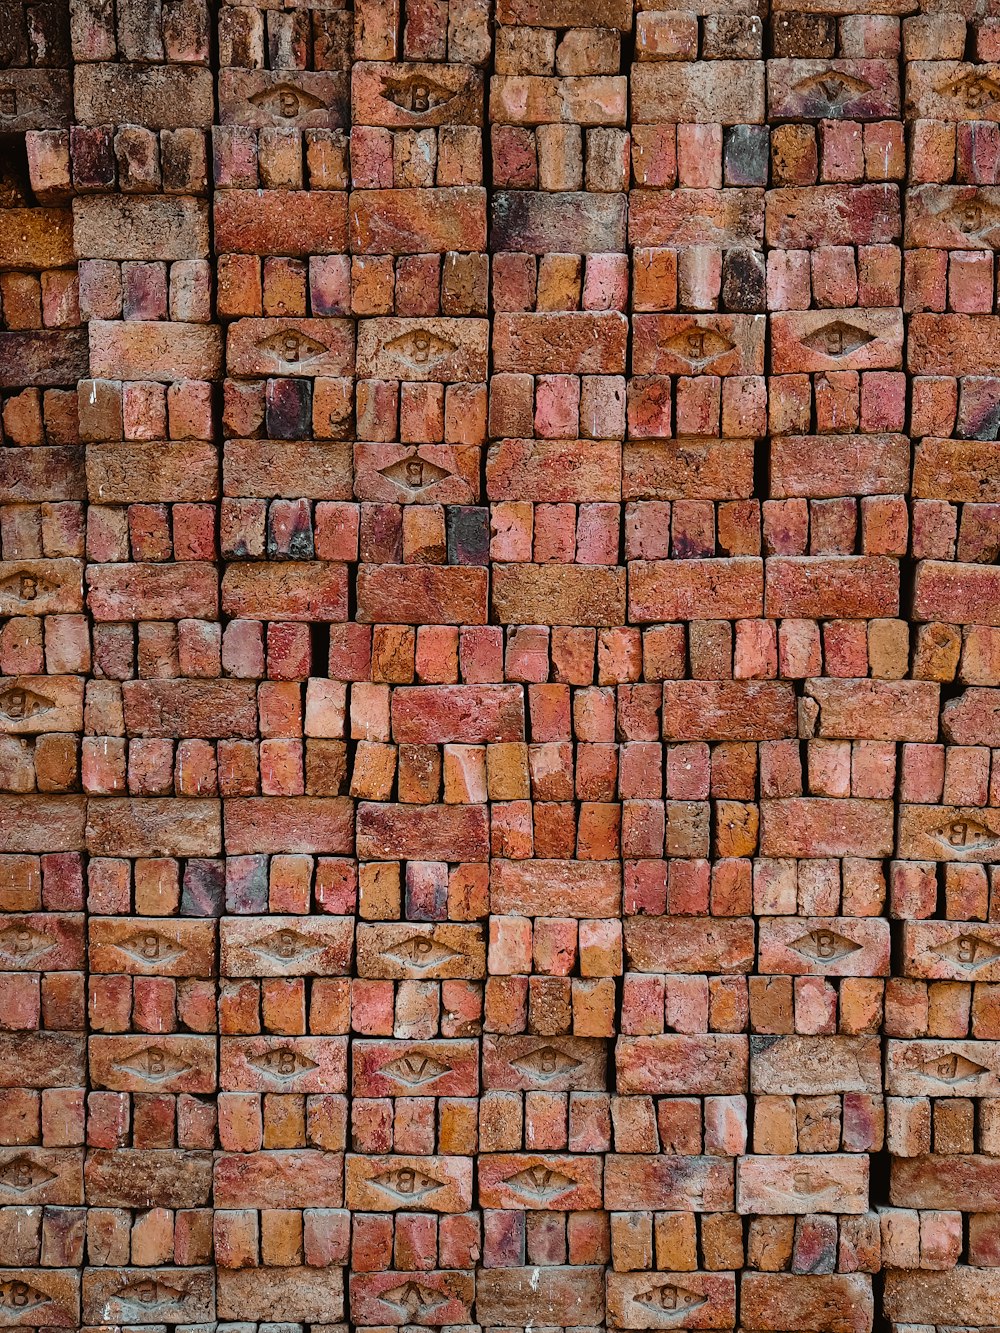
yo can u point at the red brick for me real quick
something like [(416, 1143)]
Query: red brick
[(411, 595), (811, 1302), (280, 222), (673, 1064), (843, 586), (689, 589), (417, 221)]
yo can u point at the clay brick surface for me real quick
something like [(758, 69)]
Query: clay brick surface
[(499, 666)]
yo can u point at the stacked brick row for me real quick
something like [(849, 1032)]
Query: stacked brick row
[(499, 665), (45, 658)]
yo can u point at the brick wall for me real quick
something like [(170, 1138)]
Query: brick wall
[(499, 665)]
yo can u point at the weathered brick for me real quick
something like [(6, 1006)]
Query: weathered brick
[(151, 945), (393, 778), (439, 350), (166, 1063), (692, 469), (261, 98), (727, 92), (472, 713), (58, 1289), (33, 704), (293, 590), (41, 358), (36, 99), (675, 1064), (950, 217), (146, 351), (393, 949), (277, 1179), (816, 340), (843, 586), (951, 950), (377, 1297), (280, 222), (950, 89), (815, 1066), (410, 595), (405, 94), (288, 824), (153, 826), (532, 100), (36, 238), (691, 1184), (956, 470), (641, 1300), (955, 592), (161, 97), (944, 1181), (573, 595), (559, 221), (283, 1064), (415, 1069), (681, 944), (959, 1294), (695, 589), (824, 946), (41, 1060), (874, 710), (386, 1184), (152, 591), (305, 347), (140, 227), (296, 1293), (190, 708), (554, 471), (953, 344), (728, 710), (401, 222), (935, 1068), (566, 1294), (41, 1176), (696, 217), (947, 833), (810, 1302), (804, 1183), (182, 1295), (555, 888), (265, 468), (847, 89), (819, 826), (566, 14), (580, 342), (832, 215), (137, 472), (692, 344), (540, 1181), (542, 1063), (281, 946), (42, 473)]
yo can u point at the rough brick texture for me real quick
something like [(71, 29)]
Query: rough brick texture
[(499, 666)]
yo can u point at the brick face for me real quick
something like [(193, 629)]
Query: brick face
[(499, 666)]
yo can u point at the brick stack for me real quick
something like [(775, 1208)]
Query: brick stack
[(499, 665), (45, 657)]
